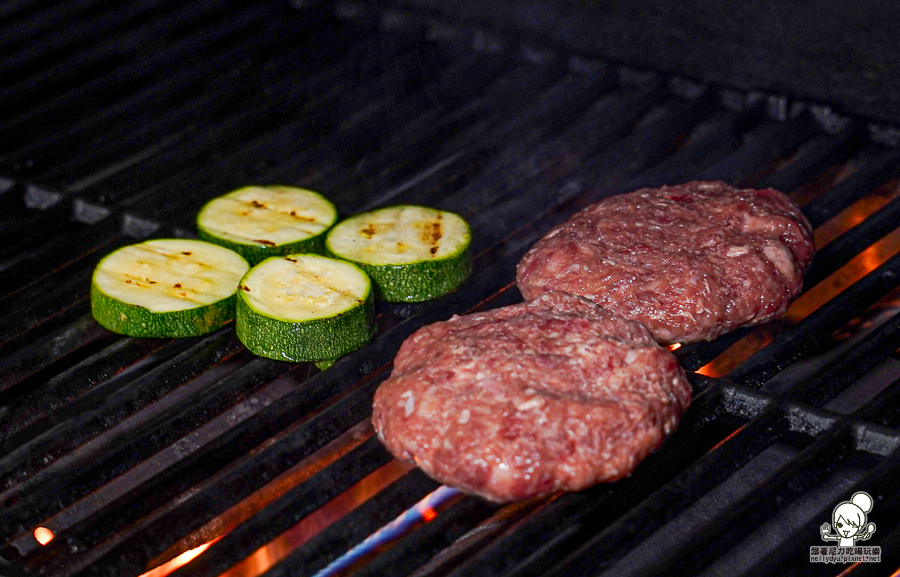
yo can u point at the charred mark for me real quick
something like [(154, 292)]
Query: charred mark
[(301, 217)]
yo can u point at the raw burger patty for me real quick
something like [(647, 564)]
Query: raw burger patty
[(690, 262), (516, 402)]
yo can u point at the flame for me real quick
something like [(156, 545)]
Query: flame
[(179, 561), (675, 347), (856, 566), (428, 514), (276, 550), (43, 535), (728, 438)]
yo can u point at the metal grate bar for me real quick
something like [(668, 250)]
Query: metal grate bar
[(581, 92), (46, 21), (28, 67), (24, 232), (257, 155), (239, 439), (843, 249), (59, 113), (71, 251), (851, 365), (178, 122), (237, 482), (335, 154), (355, 526), (807, 334), (594, 555), (68, 479), (54, 347), (879, 167), (32, 308), (606, 547), (881, 481), (19, 9), (645, 144), (760, 148), (87, 415), (330, 96), (23, 406), (43, 302), (711, 141), (288, 510), (31, 266), (805, 471), (418, 547), (195, 76), (884, 409), (325, 88), (498, 183), (404, 152), (828, 260), (350, 142), (818, 153), (474, 152), (572, 512)]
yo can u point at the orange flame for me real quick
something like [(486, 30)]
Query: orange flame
[(43, 535), (179, 561)]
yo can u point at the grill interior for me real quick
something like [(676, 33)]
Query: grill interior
[(121, 119)]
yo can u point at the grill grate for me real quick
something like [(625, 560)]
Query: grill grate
[(120, 120)]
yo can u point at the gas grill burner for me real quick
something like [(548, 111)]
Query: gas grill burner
[(125, 457)]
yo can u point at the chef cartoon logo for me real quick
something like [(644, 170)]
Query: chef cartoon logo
[(849, 524)]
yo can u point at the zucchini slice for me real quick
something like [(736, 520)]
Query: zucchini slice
[(166, 288), (305, 307), (412, 253), (258, 222)]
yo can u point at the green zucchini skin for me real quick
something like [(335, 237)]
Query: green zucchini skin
[(313, 340), (136, 321), (256, 253), (325, 365), (420, 281)]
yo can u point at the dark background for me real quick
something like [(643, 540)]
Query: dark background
[(842, 53)]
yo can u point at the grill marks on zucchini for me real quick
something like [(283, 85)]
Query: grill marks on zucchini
[(412, 253), (305, 307), (263, 221), (166, 288)]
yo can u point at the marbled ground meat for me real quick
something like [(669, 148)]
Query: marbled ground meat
[(690, 262), (520, 401)]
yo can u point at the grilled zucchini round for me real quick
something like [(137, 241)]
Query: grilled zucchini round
[(166, 288), (412, 253)]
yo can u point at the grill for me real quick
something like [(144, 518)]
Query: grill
[(193, 456)]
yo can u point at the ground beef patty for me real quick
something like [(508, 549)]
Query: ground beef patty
[(520, 401), (690, 262)]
